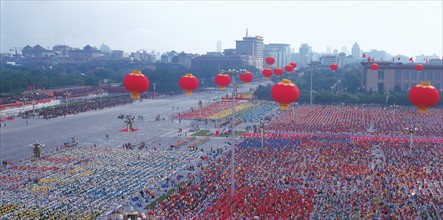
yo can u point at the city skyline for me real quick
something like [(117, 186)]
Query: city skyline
[(409, 28)]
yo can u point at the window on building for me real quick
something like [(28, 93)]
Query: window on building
[(422, 75), (398, 75), (429, 75), (381, 74), (405, 86), (414, 75), (438, 75), (406, 75)]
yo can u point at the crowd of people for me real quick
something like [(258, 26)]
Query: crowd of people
[(319, 172), (373, 120), (86, 182), (319, 177), (83, 106), (76, 91)]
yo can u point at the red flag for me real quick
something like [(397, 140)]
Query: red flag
[(369, 59), (411, 60), (393, 59), (398, 58), (364, 55)]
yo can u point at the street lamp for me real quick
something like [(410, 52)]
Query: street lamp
[(233, 73), (66, 94), (100, 92), (36, 148), (262, 125), (411, 130), (154, 84), (23, 99)]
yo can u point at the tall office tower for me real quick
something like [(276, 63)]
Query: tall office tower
[(251, 46), (328, 50), (281, 53), (344, 49), (356, 53), (305, 52), (219, 46)]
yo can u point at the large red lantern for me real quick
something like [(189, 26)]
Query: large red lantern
[(278, 71), (333, 67), (285, 93), (419, 67), (293, 64), (188, 83), (222, 80), (374, 67), (289, 68), (136, 83), (424, 96), (270, 60), (267, 73), (246, 77)]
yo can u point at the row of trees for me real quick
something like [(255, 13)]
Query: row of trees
[(342, 86)]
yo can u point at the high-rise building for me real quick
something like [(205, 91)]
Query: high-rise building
[(305, 52), (219, 46), (328, 50), (281, 53), (356, 51), (344, 49), (251, 46)]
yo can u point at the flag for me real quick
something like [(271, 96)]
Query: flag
[(364, 55), (398, 58), (369, 59), (393, 59), (411, 60)]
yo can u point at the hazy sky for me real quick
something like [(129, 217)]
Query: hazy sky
[(398, 27)]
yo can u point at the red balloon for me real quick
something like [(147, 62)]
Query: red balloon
[(136, 83), (188, 83), (246, 77), (270, 60), (267, 73), (285, 93), (419, 67), (424, 96), (293, 64), (374, 67), (289, 68), (333, 67), (222, 80), (278, 71)]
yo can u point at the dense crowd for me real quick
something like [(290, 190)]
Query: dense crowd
[(383, 121), (83, 106), (321, 177), (75, 91), (320, 172), (85, 182)]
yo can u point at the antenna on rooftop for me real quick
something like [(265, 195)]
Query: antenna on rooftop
[(247, 35)]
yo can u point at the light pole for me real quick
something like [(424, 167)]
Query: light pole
[(233, 73), (66, 94), (36, 148), (411, 130), (154, 84), (23, 99), (100, 92), (262, 130)]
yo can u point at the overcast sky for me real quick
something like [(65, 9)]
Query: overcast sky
[(398, 27)]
